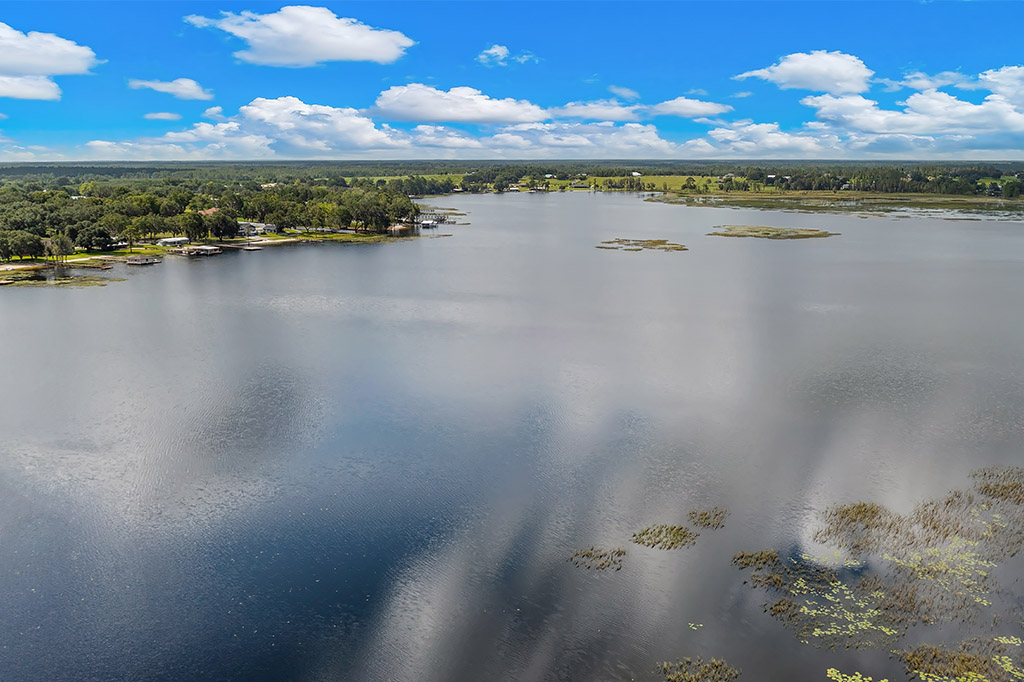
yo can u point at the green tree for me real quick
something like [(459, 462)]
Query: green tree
[(193, 225), (95, 238), (60, 247), (222, 226)]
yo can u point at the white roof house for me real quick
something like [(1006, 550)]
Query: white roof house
[(172, 241)]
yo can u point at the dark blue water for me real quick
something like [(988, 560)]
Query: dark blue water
[(370, 462)]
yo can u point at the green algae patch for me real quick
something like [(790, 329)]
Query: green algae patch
[(665, 536), (696, 670), (765, 232), (598, 558), (641, 245), (712, 519)]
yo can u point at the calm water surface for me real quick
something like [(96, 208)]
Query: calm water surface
[(329, 462)]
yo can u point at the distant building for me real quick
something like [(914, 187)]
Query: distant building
[(636, 174), (248, 228), (205, 250), (172, 241), (209, 211)]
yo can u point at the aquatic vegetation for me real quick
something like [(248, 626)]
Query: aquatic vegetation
[(765, 232), (823, 610), (696, 670), (713, 518), (665, 536), (860, 527), (757, 560), (955, 568), (834, 674), (936, 564), (641, 244), (1004, 484), (976, 660), (35, 279), (598, 558)]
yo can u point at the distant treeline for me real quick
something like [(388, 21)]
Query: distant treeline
[(94, 205), (40, 217), (890, 176)]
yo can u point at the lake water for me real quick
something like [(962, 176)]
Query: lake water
[(371, 462)]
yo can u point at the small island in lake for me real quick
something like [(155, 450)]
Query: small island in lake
[(641, 244), (765, 232)]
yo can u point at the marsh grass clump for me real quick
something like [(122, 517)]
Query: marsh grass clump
[(757, 560), (712, 519), (665, 536), (641, 244), (975, 660), (1004, 484), (598, 558), (765, 232), (860, 527), (696, 670)]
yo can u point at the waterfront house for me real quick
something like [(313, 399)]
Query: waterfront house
[(172, 241)]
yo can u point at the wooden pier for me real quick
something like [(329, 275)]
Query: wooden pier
[(432, 219)]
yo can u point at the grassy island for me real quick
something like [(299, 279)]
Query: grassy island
[(641, 245), (765, 232)]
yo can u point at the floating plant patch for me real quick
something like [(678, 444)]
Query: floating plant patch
[(696, 670), (765, 232), (641, 244), (934, 565), (821, 608), (712, 519), (974, 660), (664, 536), (834, 674), (597, 558)]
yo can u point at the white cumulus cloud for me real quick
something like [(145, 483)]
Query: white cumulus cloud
[(922, 81), (627, 94), (767, 140), (602, 109), (418, 102), (301, 35), (29, 60), (182, 88), (216, 113), (162, 116), (500, 55), (688, 108), (29, 87), (820, 70), (317, 127), (924, 113), (440, 136), (495, 55), (1007, 81)]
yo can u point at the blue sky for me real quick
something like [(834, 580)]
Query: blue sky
[(517, 80)]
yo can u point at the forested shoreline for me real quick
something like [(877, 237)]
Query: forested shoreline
[(53, 210)]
